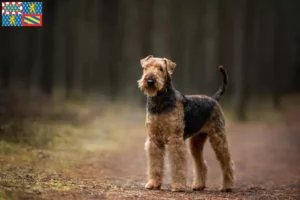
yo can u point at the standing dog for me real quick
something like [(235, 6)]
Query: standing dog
[(172, 118)]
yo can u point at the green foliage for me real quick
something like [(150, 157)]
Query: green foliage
[(39, 155), (29, 132)]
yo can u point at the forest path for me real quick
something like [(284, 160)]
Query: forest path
[(266, 159)]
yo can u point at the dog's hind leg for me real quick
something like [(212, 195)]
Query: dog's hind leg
[(220, 146)]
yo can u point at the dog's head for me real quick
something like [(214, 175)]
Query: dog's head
[(156, 73)]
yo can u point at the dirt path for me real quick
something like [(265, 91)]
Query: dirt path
[(267, 161), (266, 156)]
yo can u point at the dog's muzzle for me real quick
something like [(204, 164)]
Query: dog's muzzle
[(150, 83)]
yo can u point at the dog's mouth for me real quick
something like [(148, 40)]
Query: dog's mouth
[(149, 86)]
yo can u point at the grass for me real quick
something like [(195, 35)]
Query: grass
[(40, 153), (261, 109)]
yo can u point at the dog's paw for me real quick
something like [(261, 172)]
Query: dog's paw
[(153, 185), (226, 190), (178, 188), (198, 188)]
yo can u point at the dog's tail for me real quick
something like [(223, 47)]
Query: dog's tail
[(221, 90)]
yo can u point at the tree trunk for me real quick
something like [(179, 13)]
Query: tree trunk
[(212, 44), (161, 30), (132, 49), (278, 52), (112, 39), (146, 11), (239, 61), (176, 41), (188, 25), (5, 74), (297, 63), (30, 60), (90, 42), (5, 59), (48, 48), (70, 48), (226, 37)]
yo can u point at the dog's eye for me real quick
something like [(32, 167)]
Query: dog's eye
[(161, 69)]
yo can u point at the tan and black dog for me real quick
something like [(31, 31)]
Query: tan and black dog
[(172, 118)]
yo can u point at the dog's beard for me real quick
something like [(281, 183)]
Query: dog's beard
[(151, 91)]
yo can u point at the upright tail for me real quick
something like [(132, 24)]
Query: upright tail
[(221, 90)]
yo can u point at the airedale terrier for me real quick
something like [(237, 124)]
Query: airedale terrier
[(172, 118)]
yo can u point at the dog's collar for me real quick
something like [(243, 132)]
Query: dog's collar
[(161, 92), (168, 87)]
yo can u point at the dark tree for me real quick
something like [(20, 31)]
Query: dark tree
[(239, 60), (48, 46)]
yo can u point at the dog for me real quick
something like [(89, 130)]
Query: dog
[(172, 118)]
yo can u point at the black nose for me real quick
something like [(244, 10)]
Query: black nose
[(150, 82)]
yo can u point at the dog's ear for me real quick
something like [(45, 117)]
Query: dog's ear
[(143, 60), (170, 66)]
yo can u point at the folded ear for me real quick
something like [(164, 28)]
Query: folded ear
[(143, 60), (170, 66)]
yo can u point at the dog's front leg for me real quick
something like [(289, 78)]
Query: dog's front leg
[(177, 150), (155, 154)]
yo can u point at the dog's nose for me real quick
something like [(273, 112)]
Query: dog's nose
[(150, 82)]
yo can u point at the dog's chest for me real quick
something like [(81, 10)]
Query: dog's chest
[(166, 125)]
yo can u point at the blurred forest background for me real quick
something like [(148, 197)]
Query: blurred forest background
[(93, 48), (72, 116)]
